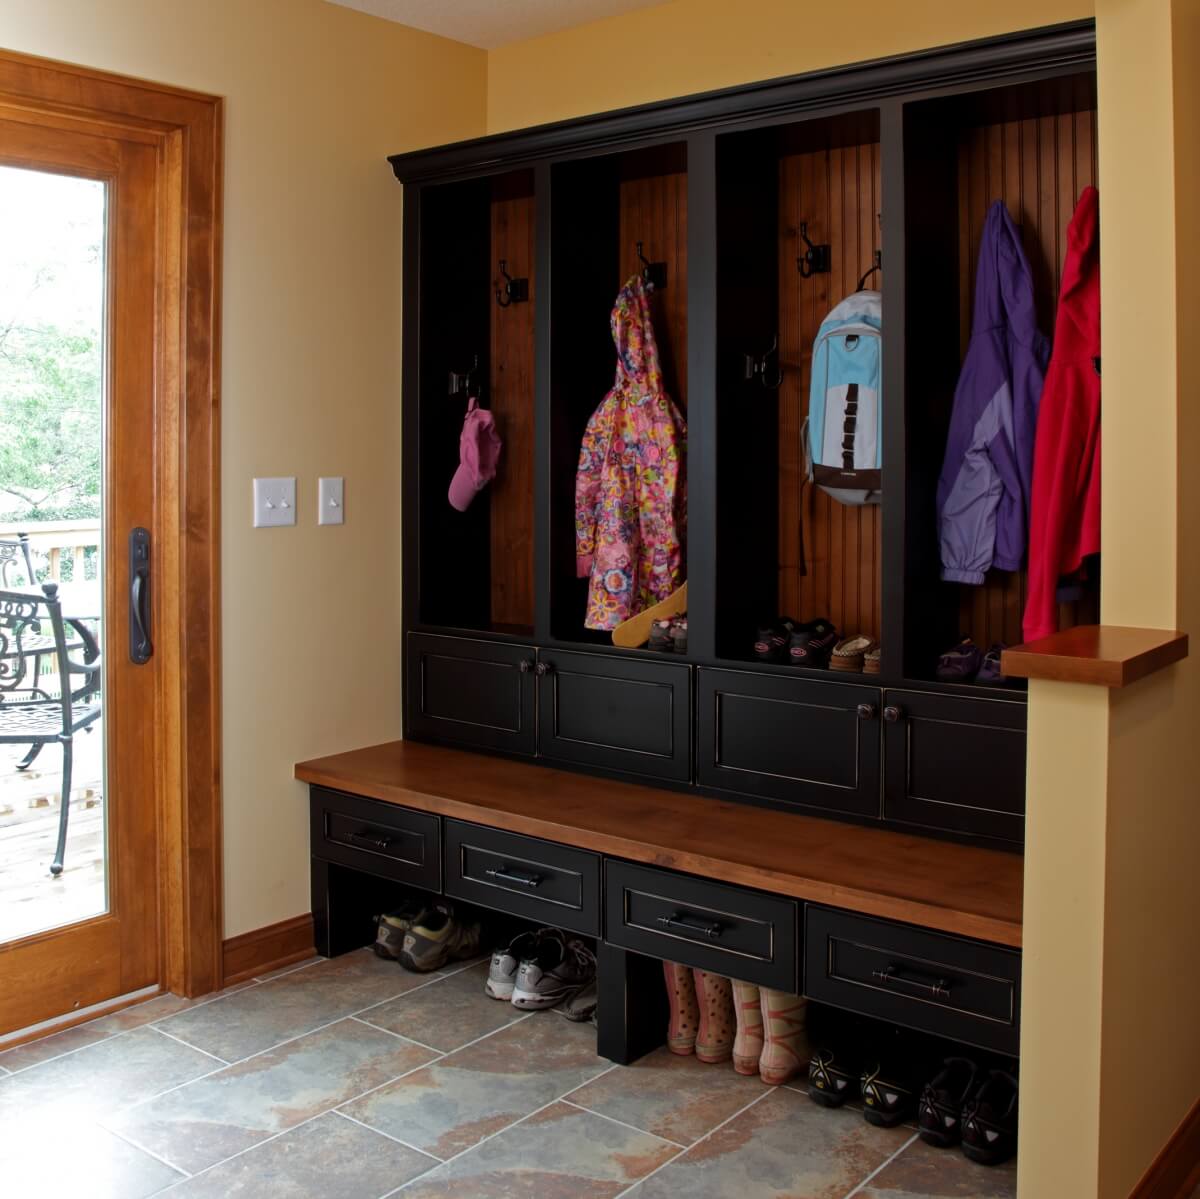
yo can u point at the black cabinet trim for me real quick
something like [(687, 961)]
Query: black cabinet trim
[(649, 753), (465, 846), (1058, 48)]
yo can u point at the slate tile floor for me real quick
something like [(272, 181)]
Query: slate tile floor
[(350, 1079)]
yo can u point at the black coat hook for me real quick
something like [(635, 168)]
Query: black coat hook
[(876, 266), (654, 273), (463, 382), (815, 259), (756, 367), (513, 291)]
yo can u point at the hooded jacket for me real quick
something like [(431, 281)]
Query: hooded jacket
[(984, 490), (629, 489), (1065, 517)]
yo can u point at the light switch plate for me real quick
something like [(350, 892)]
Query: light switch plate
[(274, 502), (331, 501)]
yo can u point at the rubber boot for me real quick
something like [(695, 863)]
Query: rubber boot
[(748, 1044), (685, 1011), (785, 1053), (714, 1039)]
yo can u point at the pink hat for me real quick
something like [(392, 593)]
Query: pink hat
[(478, 453)]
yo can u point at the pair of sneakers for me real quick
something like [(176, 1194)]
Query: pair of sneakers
[(426, 937), (797, 644), (538, 970), (966, 1106)]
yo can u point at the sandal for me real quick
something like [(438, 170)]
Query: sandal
[(960, 664), (849, 655)]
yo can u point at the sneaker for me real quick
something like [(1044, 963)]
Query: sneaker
[(831, 1080), (580, 1005), (556, 969), (771, 641), (889, 1094), (812, 644), (391, 927), (502, 973), (660, 636), (437, 936), (940, 1109), (679, 635), (990, 674), (989, 1123), (960, 664)]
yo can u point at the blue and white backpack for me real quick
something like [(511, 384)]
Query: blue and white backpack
[(843, 435)]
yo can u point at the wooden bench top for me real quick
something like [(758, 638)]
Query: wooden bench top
[(961, 889)]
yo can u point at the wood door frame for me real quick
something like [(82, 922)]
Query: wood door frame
[(188, 129)]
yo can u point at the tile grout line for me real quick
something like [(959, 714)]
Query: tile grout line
[(112, 1132), (491, 1136), (437, 1161), (458, 1048), (194, 1048), (579, 1107), (124, 1032), (287, 971), (711, 1132), (882, 1166), (392, 1033)]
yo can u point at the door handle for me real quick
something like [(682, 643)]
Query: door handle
[(140, 646)]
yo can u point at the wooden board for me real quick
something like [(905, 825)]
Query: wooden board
[(958, 889), (1105, 655), (837, 192), (1038, 167), (511, 399), (653, 210)]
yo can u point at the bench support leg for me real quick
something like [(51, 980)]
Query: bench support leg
[(631, 1011)]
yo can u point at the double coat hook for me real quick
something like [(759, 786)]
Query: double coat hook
[(654, 273), (815, 259), (512, 291), (756, 367), (463, 382)]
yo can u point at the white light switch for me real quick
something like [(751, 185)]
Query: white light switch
[(331, 498), (274, 502)]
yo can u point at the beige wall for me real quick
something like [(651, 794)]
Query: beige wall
[(317, 96), (696, 45)]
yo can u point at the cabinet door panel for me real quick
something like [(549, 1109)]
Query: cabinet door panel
[(956, 763), (470, 692), (620, 714), (799, 741)]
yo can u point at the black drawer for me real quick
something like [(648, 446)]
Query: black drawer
[(620, 714), (956, 763), (741, 934), (794, 741), (378, 837), (472, 692), (964, 990), (539, 880)]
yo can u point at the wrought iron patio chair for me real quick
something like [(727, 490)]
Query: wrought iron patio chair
[(11, 552), (29, 713)]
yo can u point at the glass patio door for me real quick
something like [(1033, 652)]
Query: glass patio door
[(78, 819)]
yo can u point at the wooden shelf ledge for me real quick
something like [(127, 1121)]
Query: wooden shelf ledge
[(1103, 654), (960, 889)]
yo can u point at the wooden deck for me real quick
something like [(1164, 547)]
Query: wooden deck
[(30, 899)]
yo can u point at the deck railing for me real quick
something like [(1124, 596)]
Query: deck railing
[(55, 543)]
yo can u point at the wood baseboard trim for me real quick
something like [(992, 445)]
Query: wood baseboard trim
[(1176, 1169), (264, 949)]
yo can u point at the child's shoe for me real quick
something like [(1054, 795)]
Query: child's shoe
[(785, 1048), (685, 1011), (748, 1044), (714, 1038)]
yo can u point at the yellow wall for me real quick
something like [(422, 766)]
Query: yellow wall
[(696, 45), (317, 96)]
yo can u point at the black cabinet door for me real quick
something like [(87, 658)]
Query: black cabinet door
[(797, 741), (955, 763), (620, 714), (472, 692)]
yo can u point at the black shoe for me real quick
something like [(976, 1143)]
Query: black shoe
[(989, 1123), (940, 1110), (812, 644), (771, 642), (832, 1080), (889, 1094)]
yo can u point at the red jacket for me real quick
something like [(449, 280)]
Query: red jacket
[(1064, 515)]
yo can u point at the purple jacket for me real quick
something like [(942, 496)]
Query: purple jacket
[(987, 476)]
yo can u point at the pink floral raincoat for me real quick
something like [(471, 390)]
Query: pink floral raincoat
[(630, 490)]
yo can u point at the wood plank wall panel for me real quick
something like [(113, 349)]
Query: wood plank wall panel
[(837, 191), (1038, 167), (653, 210), (511, 399)]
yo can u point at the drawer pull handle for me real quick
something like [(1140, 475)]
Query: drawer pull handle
[(521, 877), (368, 840), (712, 929), (936, 989)]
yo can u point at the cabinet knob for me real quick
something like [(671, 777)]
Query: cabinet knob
[(526, 665), (544, 668), (866, 711), (892, 713)]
